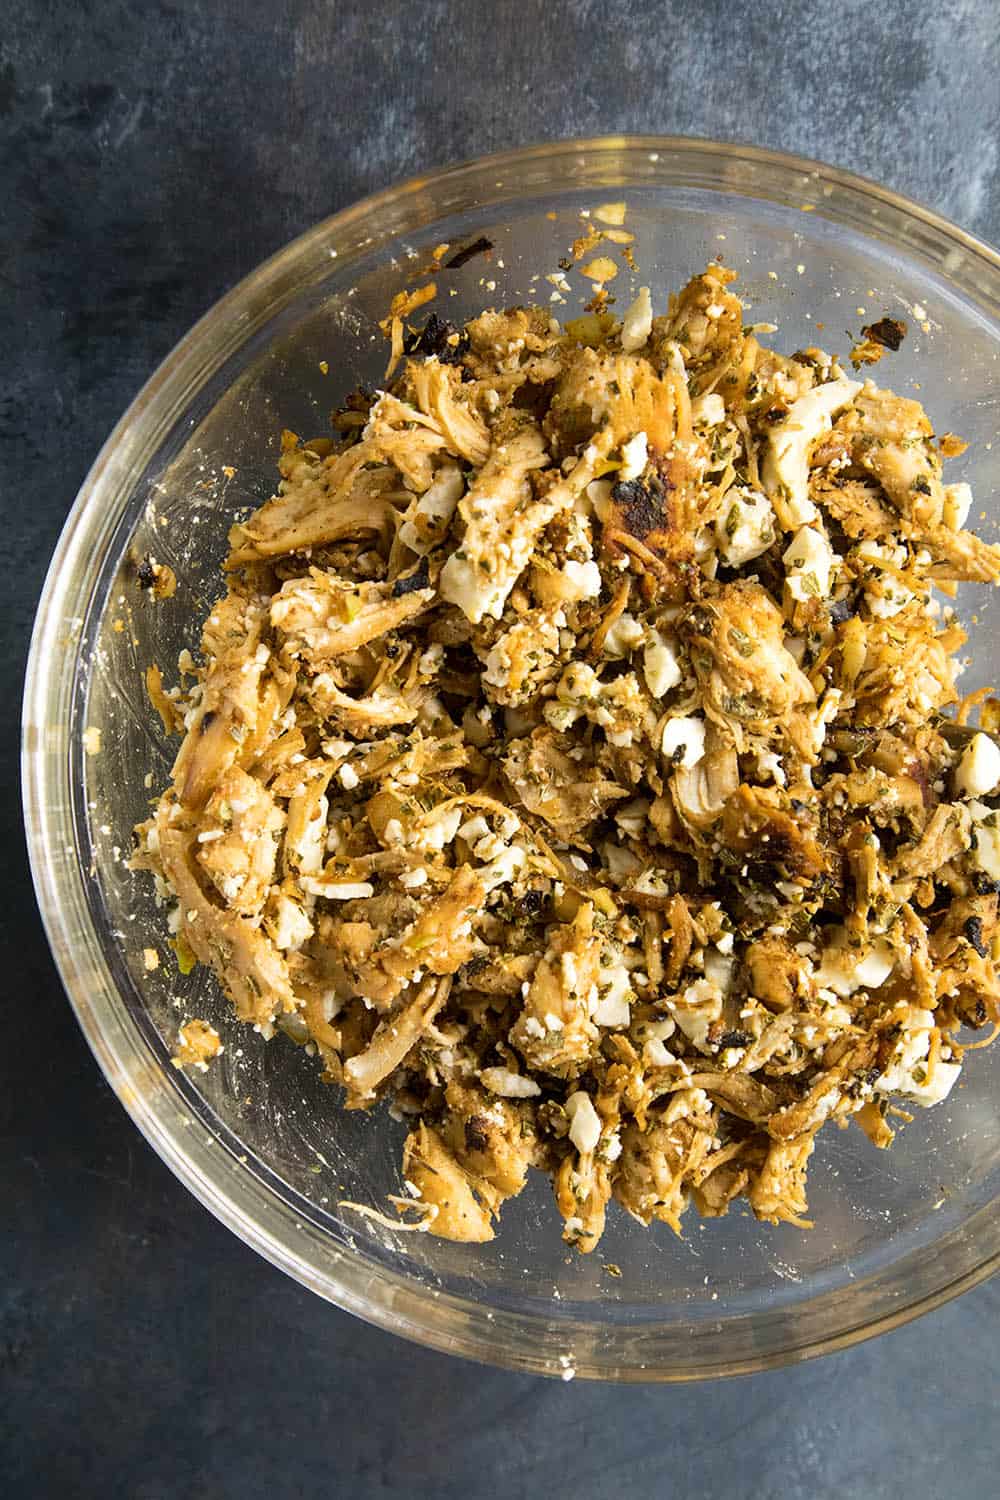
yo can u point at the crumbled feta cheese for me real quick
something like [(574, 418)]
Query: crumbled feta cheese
[(746, 526), (502, 868), (509, 1085), (875, 968), (534, 639), (683, 741), (634, 457), (439, 827), (623, 637), (654, 883), (769, 764), (907, 1074), (957, 504), (411, 880), (891, 597), (655, 1053), (696, 1009), (431, 661), (637, 324), (474, 829), (584, 1122), (809, 562), (786, 465), (662, 1030), (979, 769), (845, 970), (311, 845), (719, 968), (429, 517), (615, 989), (936, 1088), (348, 777), (584, 579), (479, 584), (337, 890), (289, 926), (708, 411), (660, 666)]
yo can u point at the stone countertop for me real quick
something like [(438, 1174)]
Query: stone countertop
[(150, 155)]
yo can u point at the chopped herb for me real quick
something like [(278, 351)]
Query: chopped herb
[(889, 332), (418, 579), (973, 929), (481, 246)]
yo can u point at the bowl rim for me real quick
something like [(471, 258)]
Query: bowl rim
[(380, 1296)]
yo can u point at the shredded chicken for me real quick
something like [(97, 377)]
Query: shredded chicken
[(566, 763)]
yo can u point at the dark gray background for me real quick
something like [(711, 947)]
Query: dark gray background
[(150, 155)]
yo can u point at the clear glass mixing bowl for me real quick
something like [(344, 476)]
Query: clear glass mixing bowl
[(259, 1139)]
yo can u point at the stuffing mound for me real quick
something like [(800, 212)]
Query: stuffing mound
[(566, 764)]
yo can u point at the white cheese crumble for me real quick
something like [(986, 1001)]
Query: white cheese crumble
[(598, 492), (634, 456), (475, 591), (439, 828), (637, 324), (660, 666), (584, 579), (474, 829), (624, 635), (683, 741), (613, 1008), (906, 1073), (696, 1010), (502, 868), (845, 970), (979, 769), (719, 968), (509, 1085), (809, 563), (708, 411), (746, 527), (584, 1122), (290, 927), (957, 504), (429, 517), (786, 464), (337, 890), (311, 845)]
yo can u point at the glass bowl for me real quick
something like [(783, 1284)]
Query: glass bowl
[(259, 1139)]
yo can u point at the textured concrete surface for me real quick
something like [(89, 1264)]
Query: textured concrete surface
[(150, 155)]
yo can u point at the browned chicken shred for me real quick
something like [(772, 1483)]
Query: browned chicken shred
[(567, 764)]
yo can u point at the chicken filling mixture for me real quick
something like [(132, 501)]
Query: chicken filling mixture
[(565, 764)]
